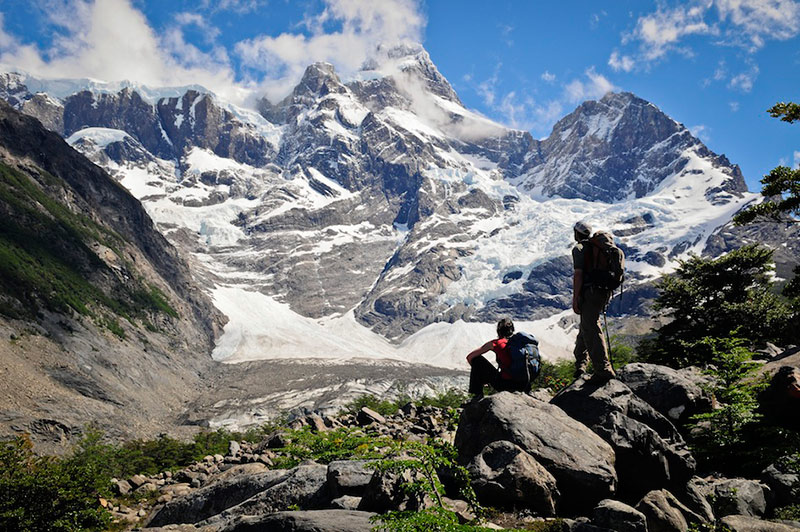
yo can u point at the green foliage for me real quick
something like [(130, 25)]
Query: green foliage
[(782, 186), (789, 513), (720, 435), (555, 376), (46, 261), (449, 399), (712, 298), (324, 447), (44, 493), (434, 519), (788, 112)]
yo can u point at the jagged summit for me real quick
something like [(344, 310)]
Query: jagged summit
[(618, 147)]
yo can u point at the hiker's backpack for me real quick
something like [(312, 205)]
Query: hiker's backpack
[(525, 359), (604, 262)]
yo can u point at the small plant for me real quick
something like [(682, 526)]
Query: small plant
[(325, 447), (721, 434)]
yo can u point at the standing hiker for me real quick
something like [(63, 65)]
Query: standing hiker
[(483, 372), (589, 301)]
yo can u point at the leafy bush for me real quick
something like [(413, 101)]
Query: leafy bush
[(720, 435), (324, 447), (45, 493), (555, 376), (789, 513)]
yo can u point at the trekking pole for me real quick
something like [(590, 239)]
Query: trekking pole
[(608, 340)]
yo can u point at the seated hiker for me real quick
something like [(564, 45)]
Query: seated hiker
[(483, 372)]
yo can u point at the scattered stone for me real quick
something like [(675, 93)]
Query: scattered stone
[(384, 493), (346, 502), (137, 480), (784, 484), (122, 487), (349, 477), (234, 448), (661, 513), (316, 423)]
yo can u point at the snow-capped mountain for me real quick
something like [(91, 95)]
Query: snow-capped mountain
[(382, 199)]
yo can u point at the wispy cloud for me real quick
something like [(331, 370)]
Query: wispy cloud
[(548, 77), (702, 132), (756, 21), (744, 80), (734, 106), (661, 32), (620, 62), (594, 86), (796, 164)]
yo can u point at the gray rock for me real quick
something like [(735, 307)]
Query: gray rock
[(122, 487), (505, 476), (385, 493), (304, 486), (746, 523), (366, 416), (784, 484), (346, 502), (661, 511), (137, 480), (738, 496), (349, 477), (676, 394), (215, 498), (580, 461), (234, 448), (618, 516), (304, 521), (694, 495), (650, 453)]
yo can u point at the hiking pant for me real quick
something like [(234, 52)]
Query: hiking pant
[(590, 342), (482, 372)]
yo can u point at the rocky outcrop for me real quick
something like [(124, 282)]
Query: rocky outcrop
[(508, 477), (304, 521), (650, 452), (746, 523), (783, 482), (581, 462), (675, 394), (618, 516)]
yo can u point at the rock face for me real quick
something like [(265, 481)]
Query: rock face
[(118, 310), (579, 460), (738, 496), (675, 394), (783, 483), (304, 521), (744, 523), (650, 453), (618, 516)]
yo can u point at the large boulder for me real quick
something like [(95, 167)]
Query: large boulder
[(746, 523), (580, 461), (676, 394), (505, 476), (663, 512), (738, 496), (650, 453), (304, 486), (215, 498), (784, 482), (349, 477), (385, 493), (618, 516), (303, 521)]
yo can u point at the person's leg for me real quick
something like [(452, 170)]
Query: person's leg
[(593, 305), (580, 352), (482, 372)]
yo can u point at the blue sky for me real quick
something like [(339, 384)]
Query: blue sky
[(714, 65)]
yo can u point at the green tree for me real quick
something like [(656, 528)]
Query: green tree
[(712, 297), (781, 190)]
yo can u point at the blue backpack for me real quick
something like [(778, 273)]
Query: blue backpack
[(525, 359)]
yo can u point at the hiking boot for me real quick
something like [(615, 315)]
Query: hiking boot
[(601, 377), (578, 373)]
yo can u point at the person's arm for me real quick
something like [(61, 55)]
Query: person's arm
[(485, 348), (577, 283)]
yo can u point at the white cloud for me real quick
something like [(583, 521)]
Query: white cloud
[(734, 106), (91, 46), (758, 20), (548, 77), (796, 160), (595, 87), (661, 31), (745, 80), (237, 6), (620, 62), (701, 132), (364, 25)]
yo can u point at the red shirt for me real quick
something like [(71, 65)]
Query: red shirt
[(500, 348)]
